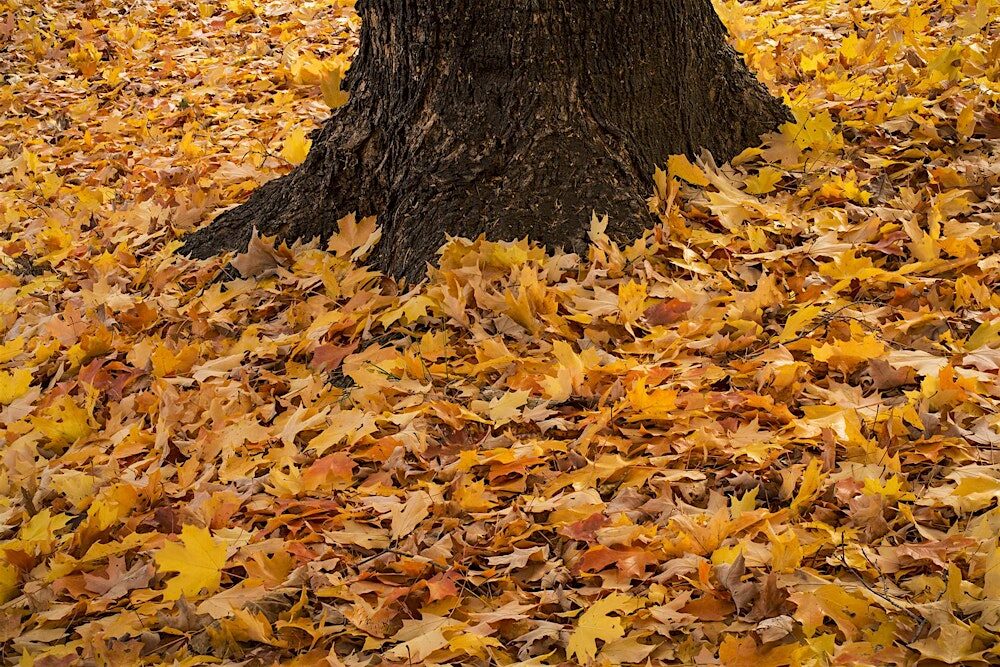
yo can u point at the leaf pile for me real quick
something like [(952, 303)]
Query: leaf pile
[(764, 434)]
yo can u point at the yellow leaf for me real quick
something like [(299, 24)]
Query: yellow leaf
[(764, 181), (850, 46), (748, 503), (41, 529), (891, 488), (974, 21), (330, 84), (8, 582), (31, 161), (63, 422), (657, 404), (986, 334), (472, 497), (818, 133), (631, 301), (660, 182), (786, 550), (112, 504), (967, 121), (11, 349), (991, 583), (470, 643), (407, 517), (296, 146), (811, 480), (241, 7), (681, 167), (839, 187), (14, 385), (506, 407), (968, 486), (350, 424), (188, 147), (594, 624), (812, 63), (86, 58), (198, 562), (50, 185), (954, 644), (848, 354), (798, 321)]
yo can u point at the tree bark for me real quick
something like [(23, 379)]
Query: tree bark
[(509, 118)]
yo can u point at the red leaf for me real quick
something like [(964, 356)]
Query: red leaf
[(585, 529), (328, 357), (667, 312)]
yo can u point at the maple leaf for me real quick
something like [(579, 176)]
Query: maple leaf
[(798, 321), (667, 312), (241, 7), (504, 408), (330, 85), (8, 581), (848, 354), (11, 349), (119, 581), (296, 146), (198, 561), (354, 239), (14, 385), (954, 644), (631, 301), (596, 623), (764, 182), (812, 479), (40, 531), (681, 167), (407, 516), (64, 421)]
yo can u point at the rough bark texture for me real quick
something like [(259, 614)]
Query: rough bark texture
[(511, 118)]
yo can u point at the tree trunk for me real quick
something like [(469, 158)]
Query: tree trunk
[(511, 118)]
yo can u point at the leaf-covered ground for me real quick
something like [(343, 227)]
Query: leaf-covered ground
[(766, 434)]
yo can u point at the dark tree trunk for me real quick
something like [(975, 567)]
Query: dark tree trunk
[(511, 118)]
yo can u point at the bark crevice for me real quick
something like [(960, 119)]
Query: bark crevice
[(509, 118)]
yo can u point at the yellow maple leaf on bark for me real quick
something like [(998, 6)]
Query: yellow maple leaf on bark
[(296, 146), (198, 561), (680, 167), (330, 86), (354, 238)]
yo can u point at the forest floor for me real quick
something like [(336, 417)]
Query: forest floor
[(765, 434)]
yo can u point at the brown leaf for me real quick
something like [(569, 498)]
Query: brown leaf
[(731, 579), (119, 581), (770, 600), (709, 608)]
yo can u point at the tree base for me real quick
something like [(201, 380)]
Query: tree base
[(487, 118), (546, 189)]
